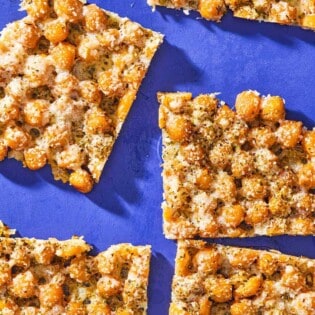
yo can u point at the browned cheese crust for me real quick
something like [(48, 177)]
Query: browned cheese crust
[(290, 12), (69, 74), (235, 173), (51, 277), (219, 280)]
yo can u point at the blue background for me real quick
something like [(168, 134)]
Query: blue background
[(196, 56)]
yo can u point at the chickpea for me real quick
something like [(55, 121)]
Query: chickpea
[(219, 289), (133, 34), (283, 13), (249, 288), (108, 286), (98, 122), (224, 117), (3, 150), (243, 261), (308, 143), (70, 10), (304, 202), (89, 48), (177, 310), (56, 30), (205, 102), (246, 12), (71, 158), (247, 105), (242, 164), (9, 109), (204, 306), (95, 19), (44, 253), (266, 162), (242, 307), (81, 180), (50, 294), (262, 137), (16, 138), (176, 103), (207, 260), (225, 187), (29, 35), (35, 158), (90, 92), (75, 308), (192, 152), (278, 206), (267, 264), (73, 247), (24, 285), (293, 278), (308, 21), (78, 269), (36, 113), (5, 272), (99, 309), (57, 135), (37, 9), (232, 215), (29, 310), (183, 264), (272, 108), (289, 133), (204, 180), (178, 128), (256, 213), (302, 226), (220, 155), (254, 187), (306, 176), (109, 83), (212, 10), (63, 55)]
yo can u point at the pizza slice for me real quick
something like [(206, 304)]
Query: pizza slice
[(46, 277), (69, 74), (217, 279), (236, 173), (300, 13)]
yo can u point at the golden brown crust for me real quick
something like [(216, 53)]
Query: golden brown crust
[(216, 279), (69, 74), (300, 13), (59, 277), (226, 173)]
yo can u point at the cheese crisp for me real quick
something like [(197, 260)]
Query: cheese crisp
[(69, 74), (235, 174), (48, 277), (301, 13), (220, 280)]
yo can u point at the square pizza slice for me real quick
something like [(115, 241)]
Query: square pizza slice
[(216, 279), (236, 173), (48, 277), (69, 74), (299, 12)]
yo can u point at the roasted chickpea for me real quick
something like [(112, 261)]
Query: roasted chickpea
[(70, 10), (176, 310), (89, 49), (308, 21), (75, 308), (183, 264), (302, 226), (71, 158), (73, 247), (81, 180), (50, 294), (308, 143), (108, 286), (262, 137), (37, 9), (242, 307), (232, 215), (205, 306), (56, 30), (90, 92), (254, 187), (246, 12), (98, 122), (29, 35), (5, 272), (225, 187), (293, 278), (219, 289), (267, 264), (193, 153), (256, 213), (289, 133), (3, 150), (224, 117), (174, 102), (247, 105), (306, 176), (279, 206), (35, 158), (24, 285), (283, 12), (178, 128), (16, 138), (212, 10), (243, 261), (204, 180), (133, 34), (78, 269), (36, 113), (63, 55), (249, 288), (44, 253), (207, 260), (9, 109), (57, 135), (205, 103), (95, 19), (220, 155), (110, 84), (242, 164), (99, 309), (272, 108)]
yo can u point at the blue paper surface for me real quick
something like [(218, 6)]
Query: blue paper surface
[(197, 56)]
